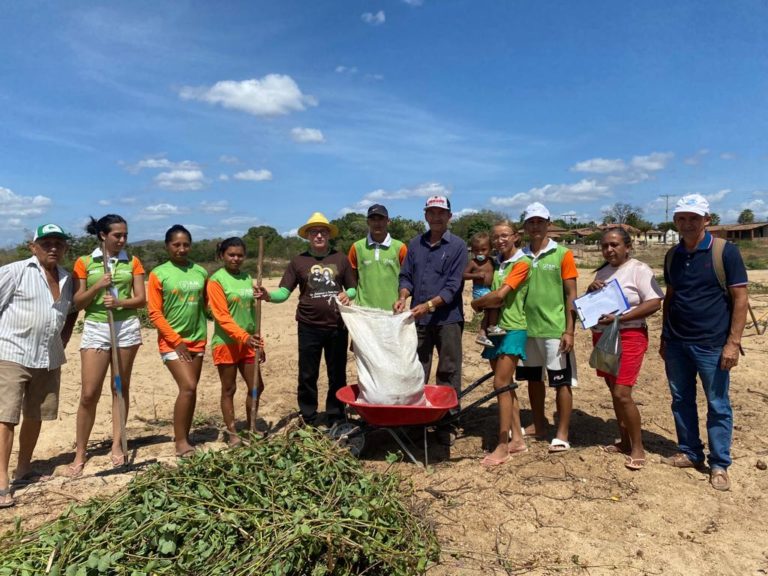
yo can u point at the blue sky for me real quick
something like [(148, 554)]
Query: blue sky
[(227, 115)]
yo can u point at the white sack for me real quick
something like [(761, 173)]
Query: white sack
[(388, 368)]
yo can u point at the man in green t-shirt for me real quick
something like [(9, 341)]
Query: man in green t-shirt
[(550, 315), (377, 259)]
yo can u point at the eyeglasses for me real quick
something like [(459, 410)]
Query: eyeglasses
[(318, 231), (49, 245)]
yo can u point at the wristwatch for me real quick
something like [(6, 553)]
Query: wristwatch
[(430, 306)]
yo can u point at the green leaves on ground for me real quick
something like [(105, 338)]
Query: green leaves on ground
[(293, 504)]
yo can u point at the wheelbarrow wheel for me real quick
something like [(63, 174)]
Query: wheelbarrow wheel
[(349, 436)]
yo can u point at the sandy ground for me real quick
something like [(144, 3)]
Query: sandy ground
[(580, 512)]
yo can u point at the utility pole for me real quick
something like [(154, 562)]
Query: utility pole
[(666, 208), (666, 212)]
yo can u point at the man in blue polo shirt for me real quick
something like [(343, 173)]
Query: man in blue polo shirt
[(432, 274), (702, 334)]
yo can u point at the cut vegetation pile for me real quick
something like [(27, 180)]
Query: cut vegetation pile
[(292, 504)]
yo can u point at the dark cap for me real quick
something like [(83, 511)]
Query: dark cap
[(377, 210)]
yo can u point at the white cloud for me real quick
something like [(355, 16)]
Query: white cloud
[(374, 19), (272, 95), (600, 166), (160, 163), (160, 211), (254, 175), (240, 221), (307, 135), (223, 177), (292, 233), (224, 159), (346, 69), (413, 2), (181, 180), (464, 212), (652, 162), (728, 156), (380, 196), (719, 195), (374, 77), (14, 205), (696, 157), (582, 191), (211, 207)]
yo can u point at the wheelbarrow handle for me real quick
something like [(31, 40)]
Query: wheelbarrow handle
[(475, 384), (484, 399)]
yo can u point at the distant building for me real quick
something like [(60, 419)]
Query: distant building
[(757, 231)]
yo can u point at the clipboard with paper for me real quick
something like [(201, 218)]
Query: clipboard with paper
[(608, 300)]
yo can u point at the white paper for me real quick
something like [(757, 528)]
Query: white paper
[(609, 300)]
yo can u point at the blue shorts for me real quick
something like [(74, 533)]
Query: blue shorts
[(478, 291), (511, 344)]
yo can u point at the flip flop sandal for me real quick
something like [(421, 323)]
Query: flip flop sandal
[(612, 449), (557, 446), (634, 463), (75, 470), (118, 460), (5, 493), (30, 477), (186, 453)]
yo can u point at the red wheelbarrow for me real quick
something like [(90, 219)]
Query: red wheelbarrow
[(396, 419)]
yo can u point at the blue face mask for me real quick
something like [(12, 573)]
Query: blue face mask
[(480, 257)]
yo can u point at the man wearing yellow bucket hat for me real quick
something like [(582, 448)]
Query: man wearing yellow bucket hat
[(321, 273)]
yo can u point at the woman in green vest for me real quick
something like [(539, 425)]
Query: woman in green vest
[(122, 291), (508, 293), (230, 297)]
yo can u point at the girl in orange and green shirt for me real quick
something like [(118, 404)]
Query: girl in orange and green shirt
[(176, 306), (230, 298)]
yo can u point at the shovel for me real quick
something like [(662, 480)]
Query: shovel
[(116, 372), (257, 323)]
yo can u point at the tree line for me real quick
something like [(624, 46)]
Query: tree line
[(352, 227)]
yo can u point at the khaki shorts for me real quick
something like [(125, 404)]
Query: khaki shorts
[(31, 391)]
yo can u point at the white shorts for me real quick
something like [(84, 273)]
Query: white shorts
[(172, 355), (543, 353), (96, 334)]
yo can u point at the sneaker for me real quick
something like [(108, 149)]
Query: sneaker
[(484, 341), (495, 331)]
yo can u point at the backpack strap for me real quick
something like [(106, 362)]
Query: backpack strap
[(718, 245)]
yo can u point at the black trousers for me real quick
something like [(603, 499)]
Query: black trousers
[(313, 343)]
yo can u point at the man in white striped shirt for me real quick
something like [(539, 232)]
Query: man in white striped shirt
[(36, 320)]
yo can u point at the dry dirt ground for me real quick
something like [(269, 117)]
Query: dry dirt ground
[(580, 512)]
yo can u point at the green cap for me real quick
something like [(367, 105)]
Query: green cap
[(50, 231)]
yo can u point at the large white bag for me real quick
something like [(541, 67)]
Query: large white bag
[(388, 368)]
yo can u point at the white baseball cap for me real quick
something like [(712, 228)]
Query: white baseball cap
[(536, 210), (438, 202), (695, 203)]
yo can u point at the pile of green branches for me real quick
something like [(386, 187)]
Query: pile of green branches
[(292, 504)]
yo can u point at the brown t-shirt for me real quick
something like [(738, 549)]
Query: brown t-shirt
[(319, 279)]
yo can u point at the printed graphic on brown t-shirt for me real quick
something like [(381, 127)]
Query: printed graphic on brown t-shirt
[(321, 282)]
